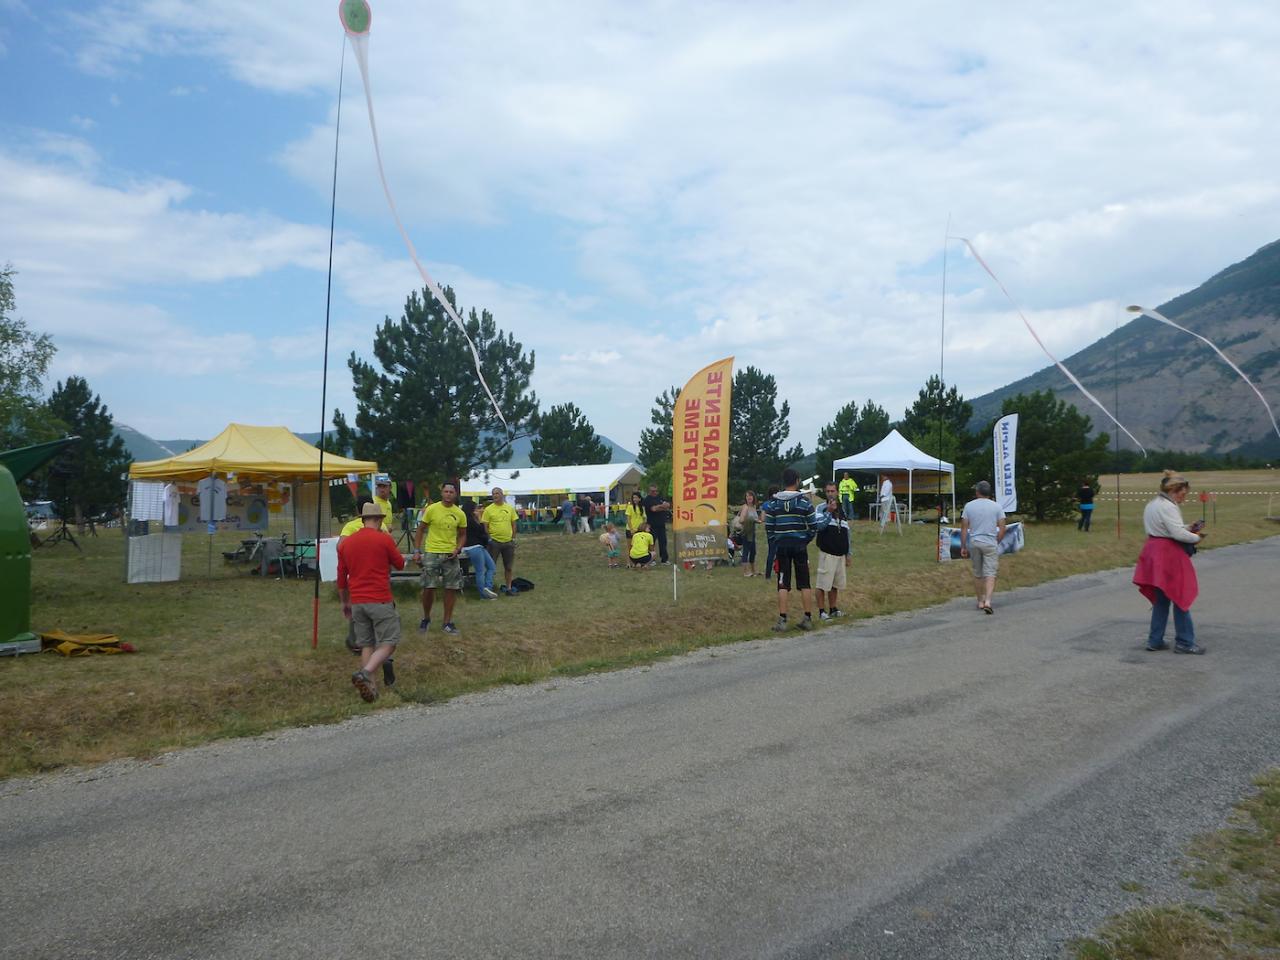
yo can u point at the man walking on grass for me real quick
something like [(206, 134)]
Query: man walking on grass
[(445, 527), (789, 523), (365, 559), (500, 517), (981, 529), (349, 528)]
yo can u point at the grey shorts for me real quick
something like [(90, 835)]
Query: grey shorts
[(375, 624), (441, 570), (507, 551), (985, 559)]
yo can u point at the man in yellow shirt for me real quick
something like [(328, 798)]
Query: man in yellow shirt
[(641, 553), (848, 490), (382, 497), (500, 517), (445, 527)]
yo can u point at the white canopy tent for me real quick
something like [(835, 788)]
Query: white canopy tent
[(895, 452), (540, 481)]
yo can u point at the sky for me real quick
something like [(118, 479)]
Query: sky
[(634, 190)]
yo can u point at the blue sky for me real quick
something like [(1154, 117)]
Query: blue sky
[(633, 189)]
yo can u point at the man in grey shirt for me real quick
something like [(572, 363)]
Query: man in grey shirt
[(981, 529)]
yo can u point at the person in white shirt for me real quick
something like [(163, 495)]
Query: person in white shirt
[(1164, 574), (886, 502), (982, 528)]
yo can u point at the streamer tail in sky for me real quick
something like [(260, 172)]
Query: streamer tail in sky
[(1056, 362), (356, 20)]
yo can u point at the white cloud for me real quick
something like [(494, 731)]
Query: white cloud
[(751, 178)]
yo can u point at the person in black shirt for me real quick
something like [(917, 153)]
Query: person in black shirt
[(1085, 496), (656, 511)]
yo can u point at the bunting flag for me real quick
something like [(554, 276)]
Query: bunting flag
[(357, 18), (1157, 315), (1056, 362), (700, 463)]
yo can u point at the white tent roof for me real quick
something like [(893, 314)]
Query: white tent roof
[(894, 452), (529, 481)]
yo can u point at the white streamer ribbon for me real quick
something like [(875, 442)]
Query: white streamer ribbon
[(360, 45), (1157, 315), (1056, 362)]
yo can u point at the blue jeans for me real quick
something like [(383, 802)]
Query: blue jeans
[(482, 565), (769, 558), (1184, 631), (748, 553)]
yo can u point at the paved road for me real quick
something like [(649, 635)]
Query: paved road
[(935, 785)]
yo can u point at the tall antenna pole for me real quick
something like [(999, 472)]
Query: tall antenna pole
[(1115, 363), (324, 376), (942, 384)]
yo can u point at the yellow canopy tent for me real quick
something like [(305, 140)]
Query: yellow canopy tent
[(251, 453)]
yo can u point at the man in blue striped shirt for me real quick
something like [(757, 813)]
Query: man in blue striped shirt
[(790, 524)]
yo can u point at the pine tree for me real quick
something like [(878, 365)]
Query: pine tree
[(851, 431), (758, 428), (94, 468), (565, 438), (421, 412), (655, 441), (938, 421)]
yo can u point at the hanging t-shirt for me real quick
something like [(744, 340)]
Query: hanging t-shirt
[(171, 500), (212, 492)]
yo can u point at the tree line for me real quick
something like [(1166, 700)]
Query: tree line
[(85, 481)]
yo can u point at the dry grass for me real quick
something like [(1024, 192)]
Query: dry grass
[(1241, 865), (230, 655)]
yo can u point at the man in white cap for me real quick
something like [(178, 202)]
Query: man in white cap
[(382, 497), (365, 560)]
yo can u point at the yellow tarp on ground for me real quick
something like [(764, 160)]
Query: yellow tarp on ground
[(81, 645), (266, 453)]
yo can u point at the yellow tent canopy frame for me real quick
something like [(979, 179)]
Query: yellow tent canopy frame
[(251, 453)]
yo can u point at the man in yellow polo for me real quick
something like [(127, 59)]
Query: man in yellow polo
[(500, 517), (382, 497), (848, 490), (445, 527)]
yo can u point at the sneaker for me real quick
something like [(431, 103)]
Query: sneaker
[(1193, 648), (781, 625), (806, 623), (488, 594), (822, 615), (1153, 647), (513, 591), (423, 624), (388, 674), (368, 692), (451, 629), (835, 612), (503, 589)]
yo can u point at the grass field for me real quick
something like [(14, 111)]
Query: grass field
[(1240, 867), (230, 655)]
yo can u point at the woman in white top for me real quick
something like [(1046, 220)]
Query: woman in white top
[(1164, 574)]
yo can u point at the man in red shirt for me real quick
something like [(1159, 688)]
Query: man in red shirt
[(365, 560)]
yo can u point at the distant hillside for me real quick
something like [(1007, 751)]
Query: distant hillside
[(142, 447), (520, 453), (1174, 392)]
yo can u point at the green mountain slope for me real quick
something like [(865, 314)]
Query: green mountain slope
[(1174, 392)]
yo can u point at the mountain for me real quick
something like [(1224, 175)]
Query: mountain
[(142, 447), (1174, 392), (520, 453)]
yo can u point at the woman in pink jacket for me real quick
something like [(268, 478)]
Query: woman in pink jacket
[(1164, 573)]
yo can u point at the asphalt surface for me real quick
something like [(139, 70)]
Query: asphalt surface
[(942, 784)]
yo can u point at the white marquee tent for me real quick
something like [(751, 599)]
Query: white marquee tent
[(549, 481), (895, 453)]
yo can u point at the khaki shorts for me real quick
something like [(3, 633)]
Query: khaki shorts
[(441, 570), (831, 573), (506, 550), (985, 559), (375, 624)]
